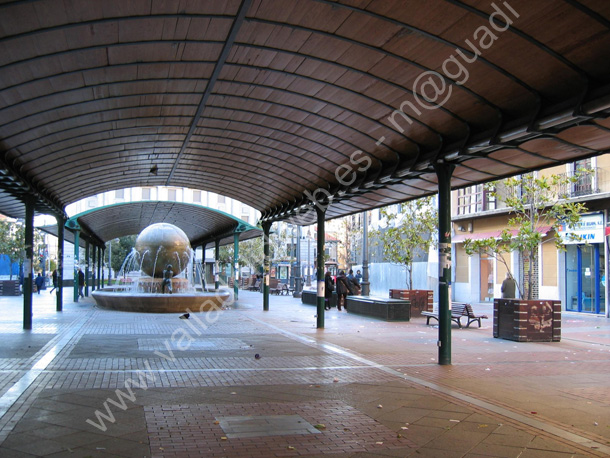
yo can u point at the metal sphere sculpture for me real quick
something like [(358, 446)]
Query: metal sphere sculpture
[(162, 244)]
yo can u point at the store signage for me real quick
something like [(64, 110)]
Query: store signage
[(591, 230)]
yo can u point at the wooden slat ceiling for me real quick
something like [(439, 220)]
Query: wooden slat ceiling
[(265, 100), (202, 225)]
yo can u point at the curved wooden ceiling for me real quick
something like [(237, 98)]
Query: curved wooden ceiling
[(269, 101), (202, 225)]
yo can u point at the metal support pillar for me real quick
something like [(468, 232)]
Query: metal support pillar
[(266, 265), (443, 173), (298, 278), (217, 265), (87, 276), (59, 292), (320, 267), (76, 261), (100, 260), (202, 273), (366, 285), (93, 266), (102, 257), (236, 265), (28, 265)]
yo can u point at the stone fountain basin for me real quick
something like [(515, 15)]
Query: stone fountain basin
[(116, 298)]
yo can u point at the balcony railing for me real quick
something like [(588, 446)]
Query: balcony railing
[(585, 184)]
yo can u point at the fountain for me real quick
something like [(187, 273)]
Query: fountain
[(162, 250)]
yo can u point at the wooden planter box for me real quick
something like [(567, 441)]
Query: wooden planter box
[(527, 321), (310, 297), (422, 300), (9, 288)]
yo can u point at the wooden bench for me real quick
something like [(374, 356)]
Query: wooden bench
[(256, 286), (275, 286), (459, 310)]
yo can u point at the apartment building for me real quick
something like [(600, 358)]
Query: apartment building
[(576, 276)]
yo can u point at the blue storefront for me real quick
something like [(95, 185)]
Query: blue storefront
[(586, 265)]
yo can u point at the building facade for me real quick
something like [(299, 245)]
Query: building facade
[(576, 275)]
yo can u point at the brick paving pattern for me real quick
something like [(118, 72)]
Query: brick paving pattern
[(196, 430), (366, 380)]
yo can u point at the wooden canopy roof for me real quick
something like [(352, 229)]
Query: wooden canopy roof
[(202, 225), (272, 102)]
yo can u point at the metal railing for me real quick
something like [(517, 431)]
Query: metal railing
[(585, 184)]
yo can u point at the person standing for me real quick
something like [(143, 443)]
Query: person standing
[(354, 284), (342, 290), (81, 282), (508, 287), (54, 279), (329, 287), (39, 282)]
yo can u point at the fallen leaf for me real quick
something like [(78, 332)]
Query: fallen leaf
[(290, 447), (320, 426)]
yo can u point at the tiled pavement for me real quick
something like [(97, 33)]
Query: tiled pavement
[(242, 382)]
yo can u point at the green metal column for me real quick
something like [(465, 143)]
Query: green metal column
[(76, 260), (236, 265), (202, 273), (100, 261), (266, 265), (87, 276), (217, 265), (102, 257), (93, 266), (443, 173), (320, 267), (28, 265), (59, 292)]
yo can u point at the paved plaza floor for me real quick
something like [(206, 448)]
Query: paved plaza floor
[(241, 382)]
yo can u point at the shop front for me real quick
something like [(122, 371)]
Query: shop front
[(585, 265)]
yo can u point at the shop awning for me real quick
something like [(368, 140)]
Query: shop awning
[(485, 235)]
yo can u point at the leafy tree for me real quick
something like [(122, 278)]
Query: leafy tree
[(349, 235), (12, 241), (251, 253), (280, 242), (534, 202), (410, 232), (120, 251)]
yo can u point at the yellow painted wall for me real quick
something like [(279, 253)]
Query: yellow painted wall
[(461, 264), (549, 264)]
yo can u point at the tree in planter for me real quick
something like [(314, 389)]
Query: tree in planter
[(534, 203), (409, 233)]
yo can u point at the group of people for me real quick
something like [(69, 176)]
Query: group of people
[(346, 285)]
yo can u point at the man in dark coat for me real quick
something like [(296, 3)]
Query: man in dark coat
[(329, 287), (39, 282), (343, 288), (508, 287), (81, 282), (55, 283)]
